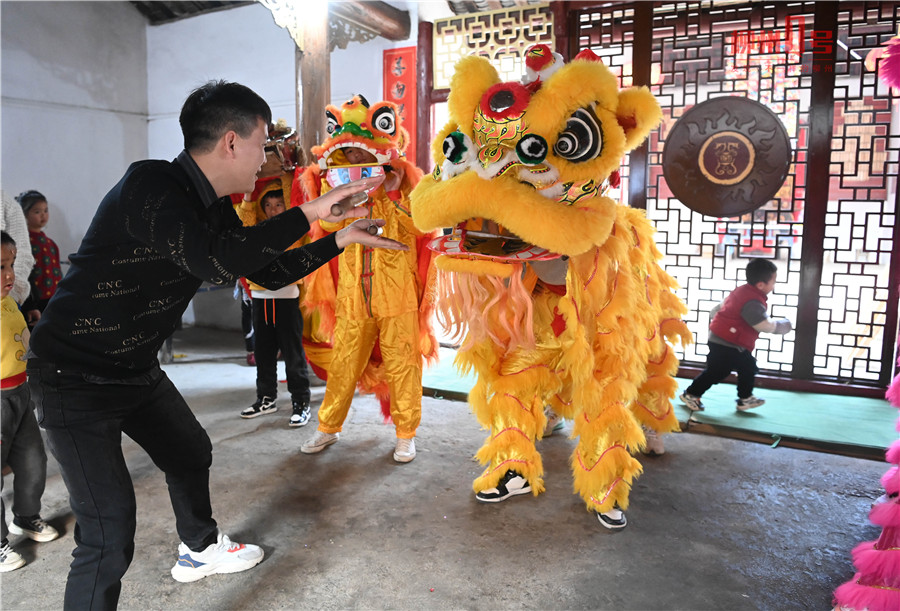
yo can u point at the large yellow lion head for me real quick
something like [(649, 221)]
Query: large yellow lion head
[(521, 168)]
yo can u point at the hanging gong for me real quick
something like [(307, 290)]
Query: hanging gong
[(727, 156)]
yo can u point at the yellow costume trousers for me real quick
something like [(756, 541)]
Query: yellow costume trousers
[(402, 361)]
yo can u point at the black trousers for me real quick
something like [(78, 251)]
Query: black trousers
[(247, 324), (277, 323), (720, 362), (84, 418)]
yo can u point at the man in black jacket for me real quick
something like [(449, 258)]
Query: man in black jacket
[(157, 235)]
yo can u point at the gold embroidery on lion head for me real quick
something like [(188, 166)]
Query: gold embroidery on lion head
[(521, 167)]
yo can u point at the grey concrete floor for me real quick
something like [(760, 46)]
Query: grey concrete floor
[(714, 523)]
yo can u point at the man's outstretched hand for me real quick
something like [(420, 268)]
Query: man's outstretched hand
[(341, 202), (366, 232)]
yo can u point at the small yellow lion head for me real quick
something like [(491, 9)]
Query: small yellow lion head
[(521, 167), (357, 124)]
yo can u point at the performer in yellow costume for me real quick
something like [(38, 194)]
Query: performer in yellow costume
[(375, 302), (556, 288)]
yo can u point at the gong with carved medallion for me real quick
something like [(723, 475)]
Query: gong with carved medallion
[(727, 156)]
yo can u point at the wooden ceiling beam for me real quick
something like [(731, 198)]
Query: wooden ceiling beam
[(158, 13), (377, 17)]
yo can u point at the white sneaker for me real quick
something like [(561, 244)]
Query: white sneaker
[(263, 405), (34, 527), (555, 422), (223, 556), (509, 485), (405, 450), (613, 519), (319, 442), (655, 445), (10, 559)]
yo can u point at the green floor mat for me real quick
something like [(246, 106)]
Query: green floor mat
[(816, 418), (855, 426), (443, 380)]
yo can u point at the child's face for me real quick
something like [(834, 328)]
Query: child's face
[(7, 272), (768, 287), (37, 216), (357, 155), (273, 206)]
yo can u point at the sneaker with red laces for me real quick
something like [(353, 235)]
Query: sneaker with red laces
[(223, 556)]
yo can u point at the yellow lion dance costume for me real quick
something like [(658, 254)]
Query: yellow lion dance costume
[(373, 315), (556, 288)]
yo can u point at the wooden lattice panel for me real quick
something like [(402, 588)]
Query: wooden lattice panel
[(501, 36), (609, 34), (861, 211), (771, 53)]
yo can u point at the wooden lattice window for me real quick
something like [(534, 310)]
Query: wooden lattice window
[(775, 53), (501, 36)]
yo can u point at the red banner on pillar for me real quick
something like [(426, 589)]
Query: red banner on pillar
[(400, 88)]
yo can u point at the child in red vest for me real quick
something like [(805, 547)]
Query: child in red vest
[(736, 323)]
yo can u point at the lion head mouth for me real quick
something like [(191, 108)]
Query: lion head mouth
[(484, 238)]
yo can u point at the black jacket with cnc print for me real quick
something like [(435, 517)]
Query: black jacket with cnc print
[(157, 235)]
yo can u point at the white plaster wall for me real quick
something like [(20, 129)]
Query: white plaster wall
[(89, 87), (74, 104), (242, 45), (246, 46), (358, 68)]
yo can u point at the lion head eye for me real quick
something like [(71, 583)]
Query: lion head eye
[(331, 122), (385, 121), (454, 147), (532, 149), (582, 140)]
